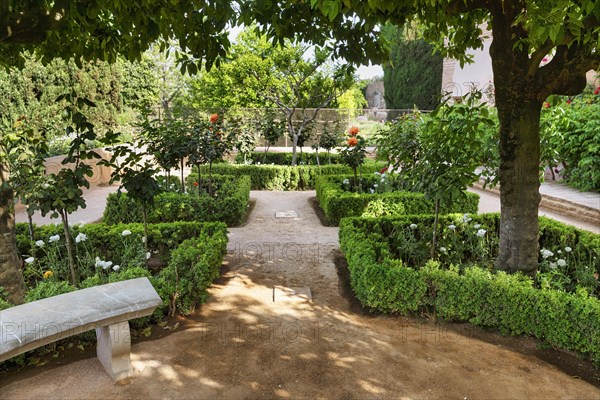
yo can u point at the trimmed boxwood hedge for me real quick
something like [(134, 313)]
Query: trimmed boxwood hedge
[(282, 177), (229, 205), (507, 302), (338, 203), (286, 158)]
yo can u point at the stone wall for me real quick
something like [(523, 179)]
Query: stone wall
[(101, 175)]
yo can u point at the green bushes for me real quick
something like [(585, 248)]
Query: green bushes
[(277, 177), (383, 282), (286, 158), (228, 204), (163, 242), (338, 203)]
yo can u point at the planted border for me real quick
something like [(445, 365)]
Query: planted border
[(506, 302), (337, 203), (286, 178), (229, 205)]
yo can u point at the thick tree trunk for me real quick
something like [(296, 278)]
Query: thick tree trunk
[(519, 187), (11, 276), (70, 251)]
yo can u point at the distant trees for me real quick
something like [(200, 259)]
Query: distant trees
[(413, 77)]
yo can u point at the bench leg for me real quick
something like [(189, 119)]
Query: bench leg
[(113, 349)]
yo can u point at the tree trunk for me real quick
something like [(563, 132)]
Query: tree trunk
[(435, 228), (182, 178), (519, 187), (294, 144), (70, 252), (11, 276)]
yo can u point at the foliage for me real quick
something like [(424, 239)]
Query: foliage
[(280, 177), (192, 268), (352, 100), (260, 158), (228, 204), (330, 138), (338, 201), (271, 128), (413, 76), (570, 135), (354, 153), (48, 288), (384, 283)]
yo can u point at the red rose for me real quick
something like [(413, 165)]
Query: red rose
[(214, 118), (569, 101), (352, 141), (546, 104), (196, 184), (597, 91), (383, 170), (353, 130)]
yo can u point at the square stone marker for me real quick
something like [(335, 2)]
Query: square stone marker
[(295, 294), (286, 214)]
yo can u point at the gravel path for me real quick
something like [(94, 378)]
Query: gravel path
[(260, 337)]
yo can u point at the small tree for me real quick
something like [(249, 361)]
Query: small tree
[(271, 128), (62, 193), (330, 139)]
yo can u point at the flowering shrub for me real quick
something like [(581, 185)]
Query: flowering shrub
[(354, 153)]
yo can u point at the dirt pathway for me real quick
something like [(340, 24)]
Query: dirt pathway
[(254, 339)]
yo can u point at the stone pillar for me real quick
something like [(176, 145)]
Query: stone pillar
[(113, 350)]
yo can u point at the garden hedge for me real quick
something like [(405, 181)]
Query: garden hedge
[(229, 205), (509, 303), (337, 203), (281, 177), (286, 158), (166, 239)]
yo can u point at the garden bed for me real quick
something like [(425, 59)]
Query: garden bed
[(389, 272), (228, 202), (338, 200)]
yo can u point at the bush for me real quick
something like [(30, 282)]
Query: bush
[(286, 158), (274, 177), (49, 288), (511, 303), (337, 202), (229, 204), (191, 270)]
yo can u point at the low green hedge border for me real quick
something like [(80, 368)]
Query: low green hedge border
[(337, 203), (507, 302), (229, 205), (286, 158), (282, 177)]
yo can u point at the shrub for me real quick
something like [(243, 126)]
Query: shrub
[(229, 204), (48, 288), (383, 282), (262, 158), (337, 202), (274, 177)]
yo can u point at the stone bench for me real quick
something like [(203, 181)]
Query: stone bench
[(105, 308)]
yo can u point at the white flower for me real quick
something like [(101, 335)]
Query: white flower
[(81, 237), (546, 253), (45, 186), (126, 232), (40, 243), (372, 191), (552, 265), (452, 226), (375, 185), (346, 182), (29, 260), (443, 250), (413, 226), (561, 262), (108, 264), (476, 226), (568, 249), (98, 261), (376, 173), (143, 239), (481, 232), (559, 252), (148, 255), (54, 238), (116, 267), (466, 218), (383, 181)]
